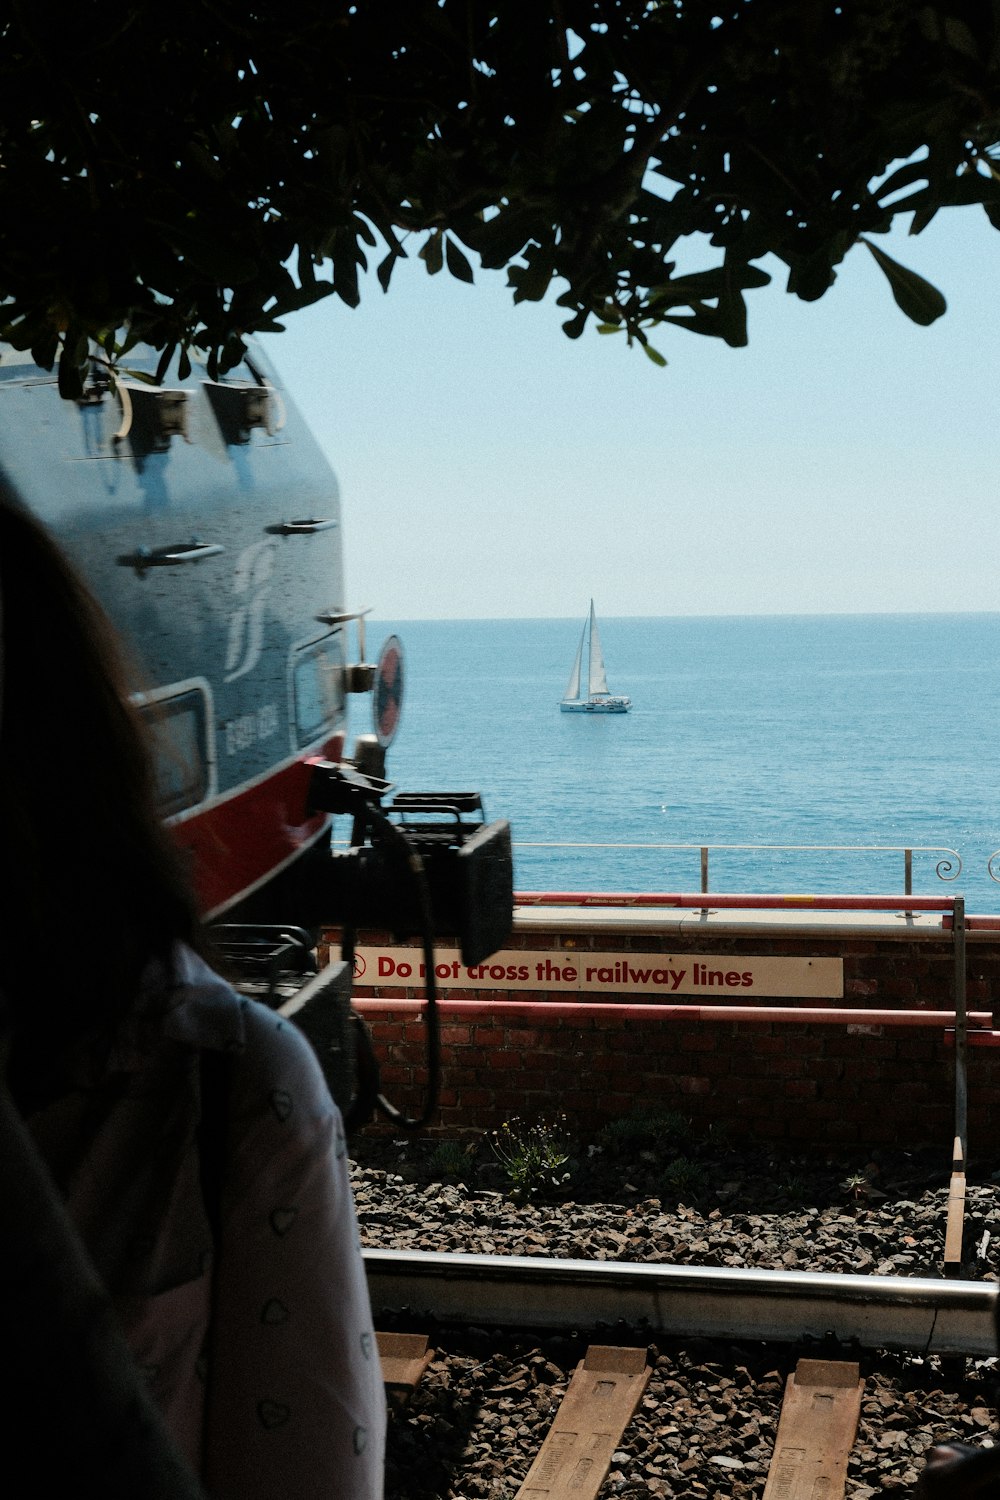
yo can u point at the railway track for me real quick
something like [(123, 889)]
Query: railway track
[(769, 1259), (510, 1340)]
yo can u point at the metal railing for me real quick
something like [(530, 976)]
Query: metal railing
[(948, 866)]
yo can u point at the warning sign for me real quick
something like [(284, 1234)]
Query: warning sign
[(707, 975)]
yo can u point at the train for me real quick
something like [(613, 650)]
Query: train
[(207, 522)]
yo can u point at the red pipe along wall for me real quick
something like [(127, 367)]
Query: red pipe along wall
[(877, 1069)]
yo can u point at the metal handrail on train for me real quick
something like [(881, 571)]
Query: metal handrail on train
[(948, 867)]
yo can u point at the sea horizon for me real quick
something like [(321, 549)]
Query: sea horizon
[(845, 614), (819, 730)]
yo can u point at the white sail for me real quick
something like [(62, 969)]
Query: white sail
[(597, 680), (573, 686)]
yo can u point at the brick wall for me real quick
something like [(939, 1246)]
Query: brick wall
[(791, 1082)]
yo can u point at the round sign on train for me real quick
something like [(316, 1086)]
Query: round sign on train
[(387, 695)]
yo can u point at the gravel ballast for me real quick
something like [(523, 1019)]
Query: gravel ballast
[(707, 1423)]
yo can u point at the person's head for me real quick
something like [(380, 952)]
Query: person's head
[(92, 881)]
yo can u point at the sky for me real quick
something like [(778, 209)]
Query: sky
[(845, 462)]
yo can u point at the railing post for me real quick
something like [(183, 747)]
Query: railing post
[(704, 868), (908, 871), (961, 1031), (955, 1225)]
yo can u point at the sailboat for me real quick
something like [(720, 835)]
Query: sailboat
[(597, 700)]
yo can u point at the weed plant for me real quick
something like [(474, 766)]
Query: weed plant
[(450, 1160), (684, 1177), (794, 1188), (645, 1129), (534, 1155)]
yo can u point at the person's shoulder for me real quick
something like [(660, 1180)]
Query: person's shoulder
[(206, 1012), (279, 1104), (269, 1057), (267, 1035)]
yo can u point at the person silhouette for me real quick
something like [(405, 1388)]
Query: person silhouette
[(188, 1130)]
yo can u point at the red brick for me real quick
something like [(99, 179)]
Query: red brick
[(456, 1036), (701, 1041), (690, 1085), (395, 1073), (761, 1039), (522, 1038), (719, 1064), (473, 1098), (800, 1088), (387, 1031), (786, 1067), (925, 1047)]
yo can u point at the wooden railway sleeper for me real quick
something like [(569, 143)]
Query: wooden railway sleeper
[(600, 1402), (404, 1357), (816, 1431)]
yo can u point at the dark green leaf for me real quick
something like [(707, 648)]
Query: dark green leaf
[(921, 219), (733, 308), (458, 263), (163, 364), (70, 378), (907, 175), (345, 281), (530, 282), (701, 286), (209, 253), (298, 297), (432, 252), (958, 35), (498, 239), (364, 230), (810, 276), (703, 320), (144, 377), (913, 295), (573, 327), (44, 349)]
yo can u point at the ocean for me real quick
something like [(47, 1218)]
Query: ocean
[(843, 730)]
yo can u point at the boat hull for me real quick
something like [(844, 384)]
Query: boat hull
[(596, 706)]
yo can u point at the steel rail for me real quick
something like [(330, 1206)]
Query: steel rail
[(876, 1312)]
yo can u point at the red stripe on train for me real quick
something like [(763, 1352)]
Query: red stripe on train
[(237, 844)]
